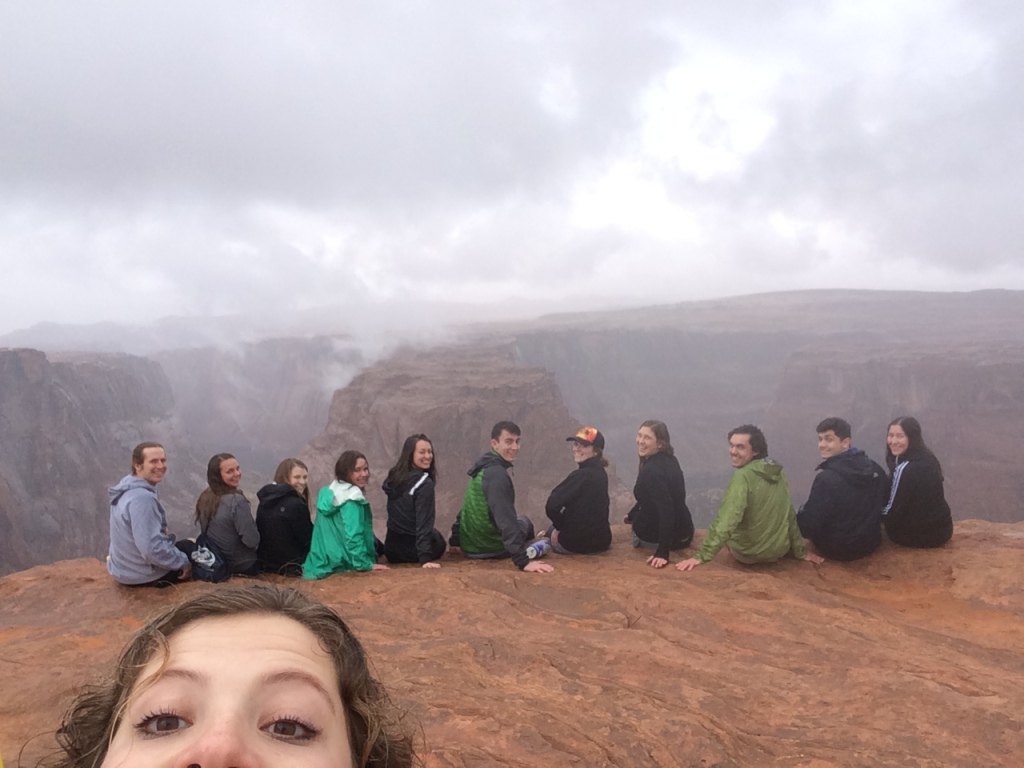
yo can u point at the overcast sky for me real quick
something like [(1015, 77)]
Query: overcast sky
[(189, 158)]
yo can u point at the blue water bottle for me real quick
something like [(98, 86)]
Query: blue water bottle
[(538, 549)]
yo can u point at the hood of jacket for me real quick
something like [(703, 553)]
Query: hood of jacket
[(129, 483), (274, 493), (346, 492), (489, 459), (767, 469), (409, 485), (853, 465)]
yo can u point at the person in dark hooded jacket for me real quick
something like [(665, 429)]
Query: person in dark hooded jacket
[(284, 521), (843, 513), (409, 487), (917, 514)]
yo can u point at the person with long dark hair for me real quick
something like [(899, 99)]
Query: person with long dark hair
[(224, 514), (409, 486), (917, 514), (283, 520), (343, 537), (660, 518), (578, 506), (254, 675)]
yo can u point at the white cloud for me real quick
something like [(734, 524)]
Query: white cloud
[(183, 158)]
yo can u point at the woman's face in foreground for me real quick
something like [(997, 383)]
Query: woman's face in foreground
[(253, 691)]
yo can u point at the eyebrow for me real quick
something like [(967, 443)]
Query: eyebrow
[(295, 675), (283, 676)]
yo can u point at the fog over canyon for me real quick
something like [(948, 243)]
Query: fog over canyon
[(70, 411)]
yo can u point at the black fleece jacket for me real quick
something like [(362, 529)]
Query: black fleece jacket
[(843, 514), (660, 514), (578, 508), (411, 511), (917, 514), (283, 521)]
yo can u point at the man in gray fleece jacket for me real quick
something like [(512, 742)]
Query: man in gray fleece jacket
[(142, 551)]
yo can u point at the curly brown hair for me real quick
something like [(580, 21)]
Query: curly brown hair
[(374, 729)]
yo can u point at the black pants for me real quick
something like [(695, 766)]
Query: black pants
[(171, 577), (401, 548)]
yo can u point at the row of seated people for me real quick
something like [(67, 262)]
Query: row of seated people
[(851, 500)]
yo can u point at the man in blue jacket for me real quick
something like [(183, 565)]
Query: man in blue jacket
[(843, 514), (142, 551)]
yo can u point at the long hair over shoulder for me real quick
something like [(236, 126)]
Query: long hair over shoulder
[(399, 473), (209, 499)]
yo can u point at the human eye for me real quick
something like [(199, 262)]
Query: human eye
[(158, 724), (291, 729)]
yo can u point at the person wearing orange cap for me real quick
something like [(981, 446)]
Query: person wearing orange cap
[(578, 506)]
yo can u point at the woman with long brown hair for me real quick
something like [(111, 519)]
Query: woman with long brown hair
[(343, 537), (661, 520), (223, 513), (409, 486)]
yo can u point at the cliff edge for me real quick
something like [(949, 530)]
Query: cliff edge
[(910, 658)]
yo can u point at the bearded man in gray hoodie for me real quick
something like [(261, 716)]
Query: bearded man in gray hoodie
[(142, 551)]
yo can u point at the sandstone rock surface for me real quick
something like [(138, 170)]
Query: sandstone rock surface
[(909, 658)]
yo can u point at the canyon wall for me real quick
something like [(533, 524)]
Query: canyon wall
[(969, 399), (261, 401), (454, 396), (67, 426)]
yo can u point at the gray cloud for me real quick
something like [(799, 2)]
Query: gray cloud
[(193, 158)]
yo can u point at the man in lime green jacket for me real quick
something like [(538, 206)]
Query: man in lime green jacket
[(756, 519)]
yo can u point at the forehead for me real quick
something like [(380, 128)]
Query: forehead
[(896, 429), (361, 463), (253, 642), (645, 431), (740, 440), (423, 445), (152, 454), (828, 434), (506, 437)]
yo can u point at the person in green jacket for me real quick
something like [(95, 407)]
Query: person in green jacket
[(756, 520), (343, 537)]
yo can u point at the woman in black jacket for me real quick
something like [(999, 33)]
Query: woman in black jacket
[(578, 506), (917, 514), (283, 520), (411, 536), (661, 520)]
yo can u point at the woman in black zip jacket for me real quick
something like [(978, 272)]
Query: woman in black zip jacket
[(578, 506), (917, 514), (411, 536), (661, 520), (283, 520)]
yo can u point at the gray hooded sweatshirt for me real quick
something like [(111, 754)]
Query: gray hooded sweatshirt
[(141, 550)]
